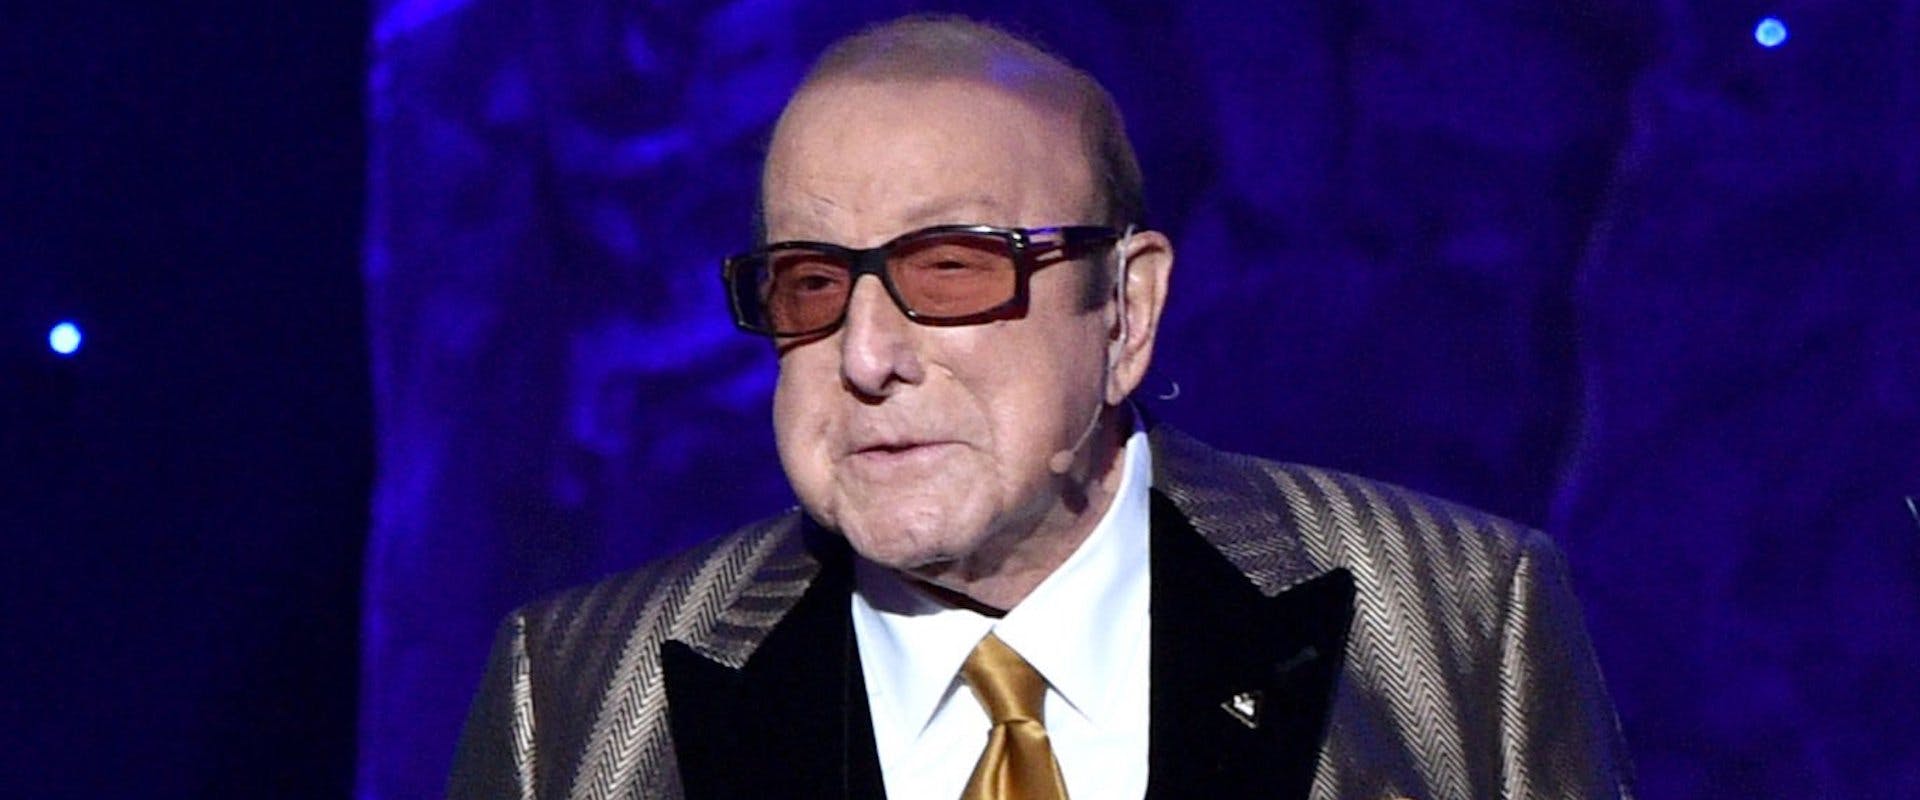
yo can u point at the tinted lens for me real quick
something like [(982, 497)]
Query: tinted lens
[(949, 275), (800, 290)]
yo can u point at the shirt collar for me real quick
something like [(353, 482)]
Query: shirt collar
[(1077, 628)]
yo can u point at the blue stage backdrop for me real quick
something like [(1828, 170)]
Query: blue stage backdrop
[(1617, 269)]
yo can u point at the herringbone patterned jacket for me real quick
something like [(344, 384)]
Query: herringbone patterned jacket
[(1386, 644)]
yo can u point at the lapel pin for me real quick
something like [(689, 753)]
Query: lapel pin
[(1245, 708)]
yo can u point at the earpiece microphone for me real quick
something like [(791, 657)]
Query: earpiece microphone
[(1062, 461)]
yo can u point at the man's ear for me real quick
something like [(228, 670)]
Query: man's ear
[(1142, 295)]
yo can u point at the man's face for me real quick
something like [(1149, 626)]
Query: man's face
[(929, 445)]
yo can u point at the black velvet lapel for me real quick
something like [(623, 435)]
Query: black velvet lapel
[(1241, 683), (791, 723)]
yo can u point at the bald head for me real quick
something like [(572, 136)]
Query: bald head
[(940, 49)]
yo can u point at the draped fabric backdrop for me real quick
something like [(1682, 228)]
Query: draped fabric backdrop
[(1609, 267)]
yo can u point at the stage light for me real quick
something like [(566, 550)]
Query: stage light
[(1771, 32), (64, 338)]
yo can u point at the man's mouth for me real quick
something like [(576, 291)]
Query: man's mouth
[(901, 454), (892, 447)]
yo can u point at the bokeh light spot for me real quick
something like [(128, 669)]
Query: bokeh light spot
[(1771, 32), (65, 338)]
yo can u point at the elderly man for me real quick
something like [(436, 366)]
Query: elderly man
[(1003, 582)]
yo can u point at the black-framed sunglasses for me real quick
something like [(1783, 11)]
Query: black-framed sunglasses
[(942, 275)]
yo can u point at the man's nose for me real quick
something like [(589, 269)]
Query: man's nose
[(878, 350)]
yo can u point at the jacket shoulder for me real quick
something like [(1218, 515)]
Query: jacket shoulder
[(590, 656), (682, 595), (1343, 506), (1337, 519)]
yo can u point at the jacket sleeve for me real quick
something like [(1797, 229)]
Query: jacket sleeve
[(1559, 735), (495, 758)]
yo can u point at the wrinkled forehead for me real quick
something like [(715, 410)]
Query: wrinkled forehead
[(849, 125), (1009, 66), (1054, 109)]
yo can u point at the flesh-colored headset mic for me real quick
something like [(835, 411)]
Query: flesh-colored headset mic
[(1062, 461)]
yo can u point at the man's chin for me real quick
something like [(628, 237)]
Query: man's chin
[(895, 545), (899, 556), (940, 570)]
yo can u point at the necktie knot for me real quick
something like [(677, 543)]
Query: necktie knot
[(1008, 687)]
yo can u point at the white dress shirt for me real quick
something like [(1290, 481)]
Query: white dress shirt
[(1085, 629)]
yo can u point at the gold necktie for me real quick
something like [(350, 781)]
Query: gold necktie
[(1018, 762)]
